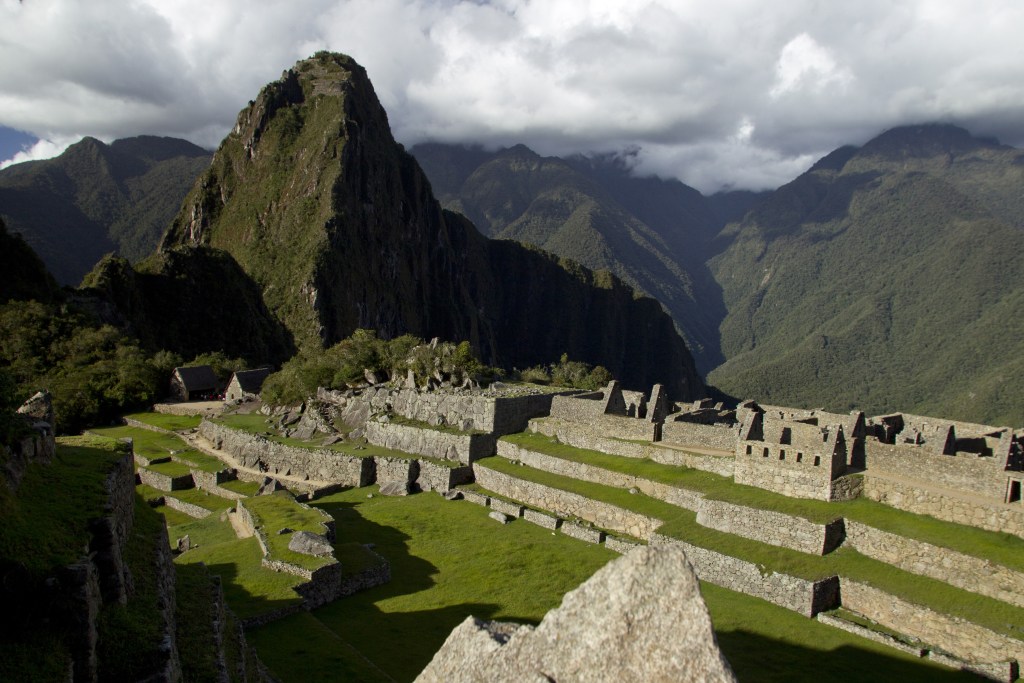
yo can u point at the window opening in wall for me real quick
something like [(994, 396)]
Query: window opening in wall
[(799, 457), (765, 454), (817, 460), (749, 450), (782, 455), (1014, 494)]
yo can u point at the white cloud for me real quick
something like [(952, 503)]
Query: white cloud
[(42, 149), (680, 79)]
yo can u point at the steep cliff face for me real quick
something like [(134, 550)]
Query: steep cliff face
[(338, 226)]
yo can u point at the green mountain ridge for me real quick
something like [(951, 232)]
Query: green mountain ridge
[(653, 234), (95, 198), (884, 278), (337, 226)]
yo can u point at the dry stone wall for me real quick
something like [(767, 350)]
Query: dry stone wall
[(581, 437), (256, 452), (773, 528), (948, 508), (961, 638), (540, 519), (800, 595), (164, 482), (186, 508), (795, 482), (582, 533), (566, 504), (718, 437), (432, 443), (982, 476), (131, 422), (212, 480), (957, 569), (878, 637), (618, 545), (434, 477)]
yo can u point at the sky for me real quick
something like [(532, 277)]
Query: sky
[(731, 94)]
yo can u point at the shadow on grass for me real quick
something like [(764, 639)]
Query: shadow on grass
[(758, 659)]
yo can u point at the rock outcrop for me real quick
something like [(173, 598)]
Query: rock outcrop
[(640, 618)]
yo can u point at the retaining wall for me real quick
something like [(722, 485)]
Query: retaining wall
[(581, 437), (186, 508), (540, 519), (582, 533), (802, 482), (618, 545), (992, 517), (433, 443), (683, 498), (718, 437), (256, 452), (773, 528), (961, 638), (957, 569), (434, 477), (130, 422), (210, 480), (164, 482), (800, 595), (878, 637), (109, 534), (982, 476), (564, 503)]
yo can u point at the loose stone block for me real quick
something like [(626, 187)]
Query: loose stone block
[(582, 533), (499, 517), (618, 545), (540, 519), (452, 495), (474, 497), (394, 488), (510, 509)]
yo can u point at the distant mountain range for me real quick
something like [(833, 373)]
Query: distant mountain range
[(95, 199)]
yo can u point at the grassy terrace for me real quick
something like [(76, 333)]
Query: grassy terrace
[(449, 560), (246, 488), (201, 461), (198, 497), (169, 422), (682, 524), (203, 532), (146, 443), (274, 512), (171, 469), (1004, 549)]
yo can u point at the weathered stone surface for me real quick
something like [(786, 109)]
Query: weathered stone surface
[(582, 533), (452, 495), (565, 503), (510, 509), (618, 545), (394, 488), (639, 618), (877, 636), (773, 528), (268, 486), (960, 638), (474, 497), (499, 517), (955, 568), (994, 671), (800, 595), (432, 443), (308, 543), (540, 519)]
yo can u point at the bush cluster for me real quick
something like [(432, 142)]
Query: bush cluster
[(345, 364), (566, 373)]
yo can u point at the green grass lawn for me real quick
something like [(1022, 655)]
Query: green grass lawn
[(170, 422), (202, 461), (449, 560), (170, 469), (146, 443), (203, 532), (172, 517), (277, 511), (246, 488), (682, 524), (249, 589), (203, 499), (1001, 548)]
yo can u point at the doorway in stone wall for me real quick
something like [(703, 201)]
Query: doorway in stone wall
[(1013, 494)]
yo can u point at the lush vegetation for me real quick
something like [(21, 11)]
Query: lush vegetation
[(885, 278), (96, 198), (567, 373)]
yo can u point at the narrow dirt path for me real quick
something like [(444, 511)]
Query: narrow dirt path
[(238, 525)]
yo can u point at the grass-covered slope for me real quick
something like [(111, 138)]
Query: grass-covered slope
[(97, 198), (885, 278), (336, 225)]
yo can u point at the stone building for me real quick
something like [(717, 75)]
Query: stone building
[(194, 383), (246, 384), (614, 413)]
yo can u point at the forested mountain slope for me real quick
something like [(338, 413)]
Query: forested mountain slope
[(653, 234), (337, 226), (96, 198), (889, 277)]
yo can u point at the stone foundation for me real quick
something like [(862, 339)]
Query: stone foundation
[(566, 504), (800, 595)]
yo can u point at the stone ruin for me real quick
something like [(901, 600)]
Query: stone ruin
[(639, 618), (37, 441)]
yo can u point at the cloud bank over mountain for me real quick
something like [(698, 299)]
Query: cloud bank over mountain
[(729, 94)]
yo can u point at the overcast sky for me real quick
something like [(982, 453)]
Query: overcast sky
[(731, 93)]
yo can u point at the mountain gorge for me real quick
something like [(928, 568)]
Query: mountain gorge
[(96, 198)]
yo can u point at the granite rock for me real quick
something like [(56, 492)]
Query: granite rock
[(308, 543), (394, 488)]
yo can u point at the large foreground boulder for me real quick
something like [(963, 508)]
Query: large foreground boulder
[(640, 618)]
